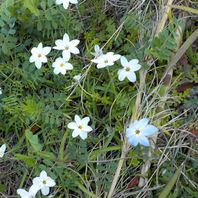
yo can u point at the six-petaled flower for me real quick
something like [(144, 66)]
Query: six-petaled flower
[(106, 60), (139, 131), (61, 66), (43, 182), (67, 47), (39, 55), (128, 70), (80, 127)]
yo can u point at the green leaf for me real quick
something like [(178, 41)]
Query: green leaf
[(33, 140), (29, 161), (170, 184), (31, 5)]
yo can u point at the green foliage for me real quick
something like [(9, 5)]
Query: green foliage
[(164, 44)]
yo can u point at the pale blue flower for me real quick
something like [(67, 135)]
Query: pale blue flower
[(139, 131)]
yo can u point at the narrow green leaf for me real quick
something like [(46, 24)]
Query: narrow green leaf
[(185, 8), (170, 184), (29, 161), (33, 140)]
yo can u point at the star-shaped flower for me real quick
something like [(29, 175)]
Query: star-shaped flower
[(129, 69), (43, 182), (105, 60), (2, 150), (28, 194), (39, 55), (61, 66), (67, 47), (80, 127), (66, 2), (138, 131)]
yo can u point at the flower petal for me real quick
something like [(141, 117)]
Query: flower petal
[(74, 42), (22, 192), (149, 130), (66, 4), (74, 50), (131, 76), (83, 135), (50, 182), (124, 61), (72, 125), (46, 50), (38, 64), (85, 120), (73, 1), (45, 190), (66, 37), (59, 45), (140, 124), (87, 128), (3, 148), (58, 2), (121, 74), (133, 140), (144, 141), (75, 133), (66, 55), (77, 120), (43, 174)]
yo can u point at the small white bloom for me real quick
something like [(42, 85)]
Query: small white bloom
[(66, 2), (106, 60), (98, 51), (0, 91), (129, 69), (43, 182), (80, 127), (39, 55), (77, 77), (138, 131), (67, 46), (28, 194), (61, 66), (2, 150)]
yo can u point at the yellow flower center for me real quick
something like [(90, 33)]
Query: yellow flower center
[(44, 182), (106, 61), (127, 69), (39, 55), (137, 132), (66, 48), (80, 127), (61, 65)]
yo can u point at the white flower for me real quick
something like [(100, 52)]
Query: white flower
[(0, 91), (39, 55), (43, 182), (66, 2), (98, 51), (28, 194), (80, 127), (61, 66), (138, 131), (77, 77), (106, 60), (128, 70), (2, 150), (67, 46)]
